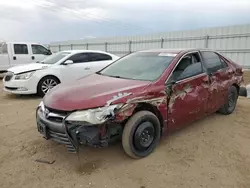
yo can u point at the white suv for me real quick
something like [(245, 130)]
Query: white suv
[(64, 66)]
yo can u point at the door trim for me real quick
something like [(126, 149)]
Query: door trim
[(192, 77)]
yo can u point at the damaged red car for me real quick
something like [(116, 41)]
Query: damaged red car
[(139, 98)]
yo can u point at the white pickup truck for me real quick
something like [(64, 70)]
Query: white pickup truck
[(19, 53)]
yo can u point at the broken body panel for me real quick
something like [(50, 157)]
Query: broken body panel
[(176, 105)]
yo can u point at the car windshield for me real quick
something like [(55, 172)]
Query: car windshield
[(146, 66), (54, 58)]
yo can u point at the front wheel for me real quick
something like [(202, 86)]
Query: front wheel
[(230, 105), (141, 134), (46, 84)]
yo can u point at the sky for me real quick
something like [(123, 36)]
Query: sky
[(47, 21)]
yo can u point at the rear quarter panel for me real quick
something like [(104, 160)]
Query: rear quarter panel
[(235, 72)]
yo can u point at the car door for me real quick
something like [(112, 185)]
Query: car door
[(99, 60), (189, 96), (20, 54), (39, 52), (80, 67), (219, 77)]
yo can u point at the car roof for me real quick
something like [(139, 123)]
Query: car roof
[(20, 42), (173, 50), (82, 51)]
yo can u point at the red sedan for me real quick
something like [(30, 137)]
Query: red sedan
[(139, 98)]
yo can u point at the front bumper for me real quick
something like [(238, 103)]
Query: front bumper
[(73, 136), (20, 86), (54, 131)]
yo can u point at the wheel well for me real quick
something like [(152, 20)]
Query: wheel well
[(48, 76), (151, 108), (237, 87)]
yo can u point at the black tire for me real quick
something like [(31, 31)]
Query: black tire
[(41, 83), (243, 92), (230, 105), (139, 123)]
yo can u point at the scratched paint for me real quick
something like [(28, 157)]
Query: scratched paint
[(178, 94), (116, 97)]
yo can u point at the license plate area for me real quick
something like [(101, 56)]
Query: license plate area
[(43, 130)]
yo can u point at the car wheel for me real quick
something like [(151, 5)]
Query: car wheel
[(230, 105), (141, 134), (46, 84)]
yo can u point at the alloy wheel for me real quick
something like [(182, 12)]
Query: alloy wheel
[(48, 84)]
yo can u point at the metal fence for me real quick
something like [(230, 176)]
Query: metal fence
[(236, 46)]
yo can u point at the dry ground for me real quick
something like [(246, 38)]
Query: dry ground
[(214, 152)]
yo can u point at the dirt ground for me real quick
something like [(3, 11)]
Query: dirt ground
[(214, 152)]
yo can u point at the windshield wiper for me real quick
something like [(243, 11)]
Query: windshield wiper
[(114, 76), (40, 62), (108, 75)]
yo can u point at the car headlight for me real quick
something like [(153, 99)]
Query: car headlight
[(94, 116), (24, 76), (41, 105)]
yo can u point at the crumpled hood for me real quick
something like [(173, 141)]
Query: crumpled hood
[(27, 67), (91, 92)]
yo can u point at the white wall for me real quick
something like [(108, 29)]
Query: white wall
[(232, 41)]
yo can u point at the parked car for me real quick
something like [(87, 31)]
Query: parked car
[(19, 53), (64, 66), (139, 98)]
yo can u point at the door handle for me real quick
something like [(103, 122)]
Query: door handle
[(86, 68), (32, 57), (14, 57)]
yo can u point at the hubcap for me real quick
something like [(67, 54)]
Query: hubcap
[(144, 136), (48, 84)]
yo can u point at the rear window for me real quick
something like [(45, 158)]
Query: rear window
[(3, 48)]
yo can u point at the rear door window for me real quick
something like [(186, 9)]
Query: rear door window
[(223, 62), (80, 58), (212, 61), (20, 49), (99, 57)]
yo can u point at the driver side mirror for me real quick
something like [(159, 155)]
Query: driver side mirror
[(48, 52), (169, 87), (68, 62)]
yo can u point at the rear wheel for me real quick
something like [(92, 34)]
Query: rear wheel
[(230, 105), (46, 84), (141, 134)]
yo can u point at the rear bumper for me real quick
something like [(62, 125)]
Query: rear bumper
[(74, 135)]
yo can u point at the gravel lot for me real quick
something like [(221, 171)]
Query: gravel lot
[(214, 152)]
